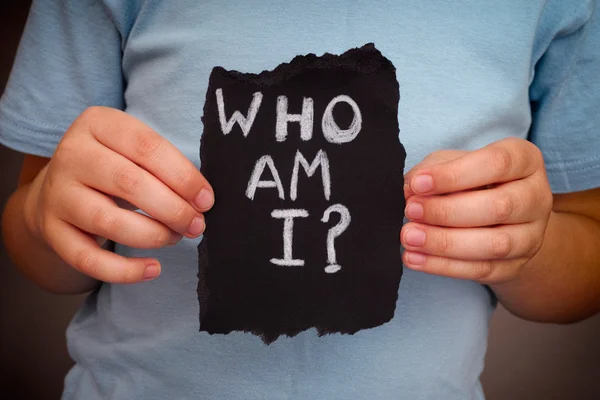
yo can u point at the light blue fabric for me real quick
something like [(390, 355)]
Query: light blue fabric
[(468, 71)]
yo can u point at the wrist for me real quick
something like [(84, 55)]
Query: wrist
[(29, 206)]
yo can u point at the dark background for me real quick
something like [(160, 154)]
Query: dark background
[(525, 360)]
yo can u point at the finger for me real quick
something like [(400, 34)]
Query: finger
[(485, 272), (137, 142), (474, 244), (83, 253), (115, 175), (95, 213), (515, 202), (507, 160), (434, 158)]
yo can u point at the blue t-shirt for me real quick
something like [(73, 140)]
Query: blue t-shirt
[(470, 73)]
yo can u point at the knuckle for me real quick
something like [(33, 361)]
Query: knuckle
[(91, 113), (128, 180), (66, 149), (445, 244), (70, 154), (128, 274), (482, 271), (502, 209), (185, 178), (104, 222), (445, 213), (501, 245), (536, 242), (452, 176), (533, 151), (160, 238), (89, 118), (500, 160), (445, 265), (177, 216), (147, 145), (526, 198), (87, 263)]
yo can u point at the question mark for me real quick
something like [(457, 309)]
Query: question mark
[(333, 233)]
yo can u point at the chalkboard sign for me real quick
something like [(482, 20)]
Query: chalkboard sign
[(307, 169)]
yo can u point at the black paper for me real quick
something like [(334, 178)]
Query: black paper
[(242, 286)]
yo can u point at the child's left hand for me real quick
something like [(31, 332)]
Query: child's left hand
[(478, 215)]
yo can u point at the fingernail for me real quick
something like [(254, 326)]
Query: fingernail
[(416, 258), (422, 184), (415, 237), (414, 211), (175, 238), (151, 272), (196, 227), (205, 199)]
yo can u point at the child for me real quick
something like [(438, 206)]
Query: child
[(106, 100)]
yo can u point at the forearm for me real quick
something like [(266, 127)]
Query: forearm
[(34, 257), (562, 282)]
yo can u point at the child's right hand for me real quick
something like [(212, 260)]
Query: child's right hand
[(104, 154)]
